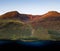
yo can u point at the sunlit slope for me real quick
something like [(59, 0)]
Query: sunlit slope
[(48, 26)]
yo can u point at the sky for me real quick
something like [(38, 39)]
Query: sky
[(35, 7)]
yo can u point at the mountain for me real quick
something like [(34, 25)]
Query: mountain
[(50, 16), (52, 13), (14, 15), (10, 15), (17, 15), (49, 24), (42, 27)]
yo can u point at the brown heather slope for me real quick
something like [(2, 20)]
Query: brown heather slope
[(49, 20), (37, 19), (52, 15), (14, 15), (10, 15), (17, 15)]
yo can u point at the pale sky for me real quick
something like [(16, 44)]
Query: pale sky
[(37, 7)]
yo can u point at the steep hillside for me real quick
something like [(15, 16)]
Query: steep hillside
[(14, 29), (49, 22), (15, 15), (14, 25)]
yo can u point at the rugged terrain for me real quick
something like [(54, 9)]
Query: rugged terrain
[(14, 25)]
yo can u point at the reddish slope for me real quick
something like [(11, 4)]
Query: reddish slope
[(10, 15), (17, 15), (14, 15), (48, 20), (51, 15)]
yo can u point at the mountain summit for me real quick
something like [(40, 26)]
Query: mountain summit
[(14, 15), (10, 14), (51, 14)]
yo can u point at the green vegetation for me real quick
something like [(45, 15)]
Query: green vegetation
[(17, 30), (54, 34), (41, 34), (13, 29), (29, 38)]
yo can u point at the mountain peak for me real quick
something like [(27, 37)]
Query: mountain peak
[(53, 12), (10, 14), (14, 15)]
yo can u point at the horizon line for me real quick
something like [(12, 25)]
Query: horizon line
[(29, 13)]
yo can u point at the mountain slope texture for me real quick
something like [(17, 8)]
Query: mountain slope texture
[(16, 26)]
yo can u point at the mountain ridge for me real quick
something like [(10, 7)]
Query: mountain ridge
[(20, 25), (17, 15)]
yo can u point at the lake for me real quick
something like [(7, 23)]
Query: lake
[(19, 43)]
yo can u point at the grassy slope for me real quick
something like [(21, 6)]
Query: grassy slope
[(13, 29), (44, 27)]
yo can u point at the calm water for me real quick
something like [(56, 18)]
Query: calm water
[(34, 43), (40, 43)]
